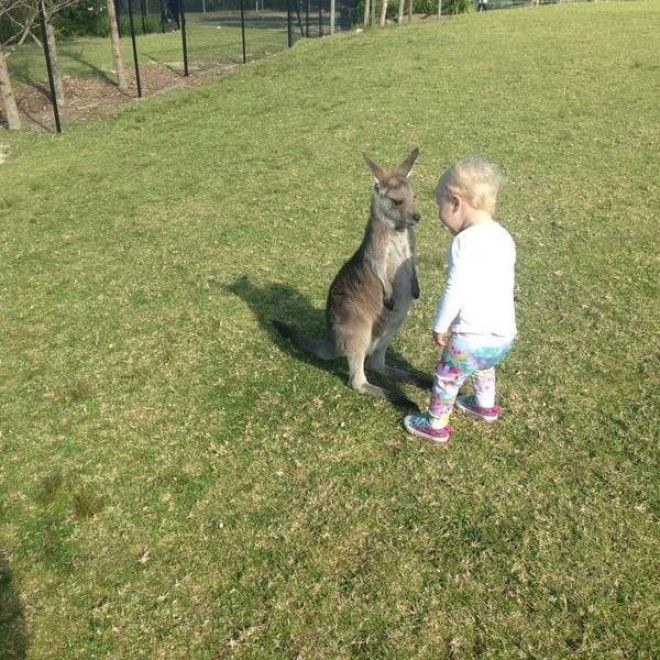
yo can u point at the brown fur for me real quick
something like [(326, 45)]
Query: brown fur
[(370, 297)]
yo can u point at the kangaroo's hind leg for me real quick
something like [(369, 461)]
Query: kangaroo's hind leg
[(356, 347), (376, 362)]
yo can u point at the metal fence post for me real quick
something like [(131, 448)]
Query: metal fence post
[(243, 31), (184, 36), (135, 53), (118, 13), (288, 23), (307, 18), (49, 66), (143, 14)]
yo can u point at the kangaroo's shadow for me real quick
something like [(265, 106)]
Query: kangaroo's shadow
[(280, 301)]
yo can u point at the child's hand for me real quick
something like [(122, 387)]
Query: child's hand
[(440, 338)]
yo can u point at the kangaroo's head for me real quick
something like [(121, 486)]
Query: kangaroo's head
[(393, 199)]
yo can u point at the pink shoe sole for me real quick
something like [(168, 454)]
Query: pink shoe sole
[(486, 414), (439, 436)]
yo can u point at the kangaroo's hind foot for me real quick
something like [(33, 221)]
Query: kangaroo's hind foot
[(358, 381), (377, 364)]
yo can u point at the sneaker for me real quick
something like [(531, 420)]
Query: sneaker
[(468, 404), (419, 425)]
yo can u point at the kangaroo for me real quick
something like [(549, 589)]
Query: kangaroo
[(373, 291)]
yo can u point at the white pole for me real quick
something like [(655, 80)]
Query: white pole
[(332, 16), (439, 9)]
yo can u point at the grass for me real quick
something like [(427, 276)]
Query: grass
[(176, 481), (208, 46)]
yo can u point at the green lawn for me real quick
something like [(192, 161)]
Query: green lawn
[(176, 481), (208, 46)]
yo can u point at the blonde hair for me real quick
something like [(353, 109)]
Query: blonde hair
[(473, 179)]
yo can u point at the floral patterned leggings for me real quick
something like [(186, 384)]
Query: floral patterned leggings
[(466, 356)]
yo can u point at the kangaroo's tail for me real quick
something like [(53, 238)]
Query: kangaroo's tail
[(322, 348)]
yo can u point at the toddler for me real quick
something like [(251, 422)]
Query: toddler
[(475, 321)]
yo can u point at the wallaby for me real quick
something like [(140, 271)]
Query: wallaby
[(370, 297)]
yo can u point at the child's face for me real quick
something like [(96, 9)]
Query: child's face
[(450, 212)]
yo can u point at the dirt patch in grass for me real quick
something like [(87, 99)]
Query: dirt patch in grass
[(87, 98)]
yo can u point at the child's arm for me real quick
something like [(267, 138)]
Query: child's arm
[(452, 299), (440, 338)]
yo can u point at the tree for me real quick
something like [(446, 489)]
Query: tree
[(48, 9), (48, 13), (383, 12), (122, 81), (16, 18)]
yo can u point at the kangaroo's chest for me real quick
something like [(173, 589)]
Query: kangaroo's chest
[(398, 258)]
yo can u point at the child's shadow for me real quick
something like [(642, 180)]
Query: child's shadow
[(280, 301)]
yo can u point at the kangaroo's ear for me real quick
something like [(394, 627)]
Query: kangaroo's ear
[(406, 167), (376, 170)]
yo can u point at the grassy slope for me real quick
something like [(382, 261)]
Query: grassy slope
[(91, 56), (176, 480)]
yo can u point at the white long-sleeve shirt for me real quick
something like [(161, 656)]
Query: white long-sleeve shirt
[(478, 297)]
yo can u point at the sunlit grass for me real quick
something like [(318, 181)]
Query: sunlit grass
[(177, 481)]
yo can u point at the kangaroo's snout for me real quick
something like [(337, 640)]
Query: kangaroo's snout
[(411, 219)]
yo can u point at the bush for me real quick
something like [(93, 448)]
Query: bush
[(88, 18), (8, 29), (91, 19)]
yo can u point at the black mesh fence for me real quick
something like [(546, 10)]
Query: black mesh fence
[(217, 33), (221, 32)]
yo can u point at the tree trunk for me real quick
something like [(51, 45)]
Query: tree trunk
[(117, 58), (366, 12), (52, 49), (332, 16), (410, 10), (7, 96), (401, 6), (383, 13)]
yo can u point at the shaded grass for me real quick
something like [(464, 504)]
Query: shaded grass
[(207, 47), (176, 480)]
